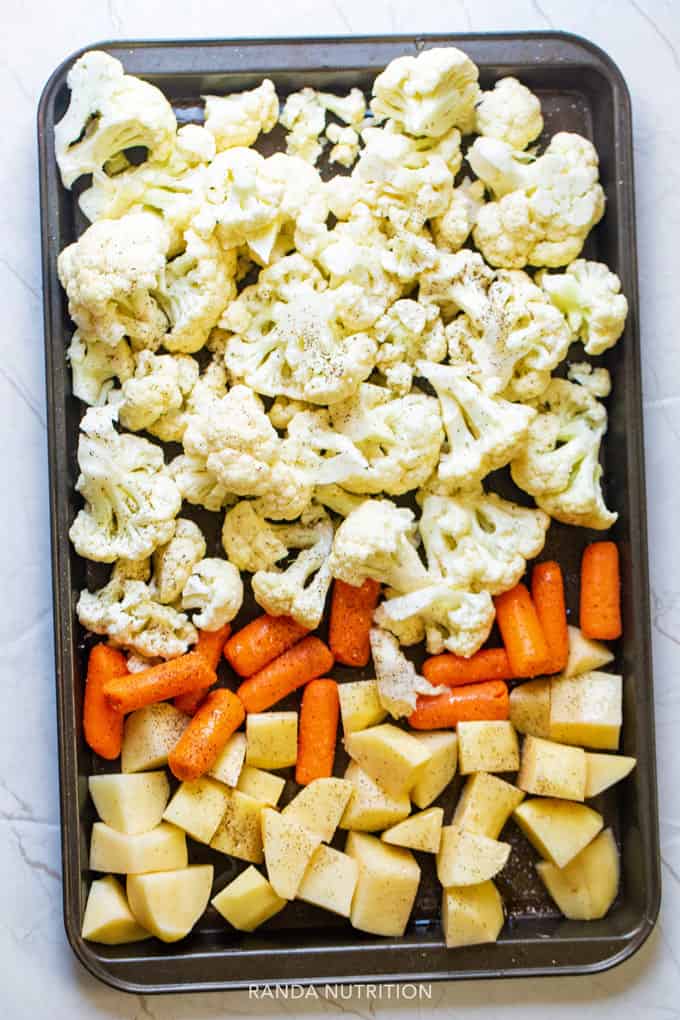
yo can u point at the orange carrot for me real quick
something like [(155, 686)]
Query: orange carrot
[(261, 641), (600, 610), (102, 724), (317, 731), (472, 703), (521, 631), (177, 676), (351, 620), (210, 645), (305, 661), (454, 670), (547, 592), (197, 749)]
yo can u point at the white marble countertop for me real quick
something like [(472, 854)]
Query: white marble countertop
[(40, 975)]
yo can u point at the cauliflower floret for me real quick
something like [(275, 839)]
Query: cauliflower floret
[(111, 276), (198, 485), (483, 432), (596, 380), (378, 540), (239, 118), (337, 499), (351, 109), (109, 111), (251, 542), (447, 618), (398, 682), (590, 297), (545, 207), (406, 333), (150, 399), (511, 113), (304, 118), (325, 454), (345, 142), (559, 465), (452, 229), (95, 366), (478, 541), (173, 563), (215, 587), (128, 613), (429, 94), (130, 499)]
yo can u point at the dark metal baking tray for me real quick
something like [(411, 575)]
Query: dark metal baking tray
[(581, 90)]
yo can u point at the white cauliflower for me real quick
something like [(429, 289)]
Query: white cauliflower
[(408, 332), (377, 540), (559, 465), (283, 410), (345, 142), (337, 499), (304, 118), (109, 111), (251, 542), (198, 485), (96, 366), (216, 589), (446, 617), (159, 388), (511, 113), (429, 94), (174, 562), (351, 109), (452, 229), (324, 454), (398, 682), (590, 297), (130, 499), (596, 380), (484, 432), (111, 276), (545, 207), (238, 119)]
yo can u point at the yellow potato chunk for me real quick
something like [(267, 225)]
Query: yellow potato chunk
[(229, 764), (585, 889), (530, 707), (485, 804), (263, 786), (558, 829), (162, 849), (198, 807), (387, 885), (587, 710), (272, 739), (108, 918), (240, 832), (471, 915), (320, 806), (130, 803), (487, 747), (169, 903), (330, 880), (288, 849), (604, 770), (370, 808), (149, 735), (421, 831), (552, 770), (468, 858), (585, 654), (360, 705), (248, 901), (390, 755), (441, 767)]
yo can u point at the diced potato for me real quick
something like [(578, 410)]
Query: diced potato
[(487, 747), (471, 915), (386, 887), (229, 764), (320, 806), (170, 903), (370, 808), (149, 735), (240, 831), (530, 707), (198, 807), (108, 918), (468, 858), (604, 770), (552, 770), (485, 804), (263, 786), (440, 769), (248, 901), (360, 705), (391, 756), (587, 710), (130, 803), (421, 831), (162, 849), (585, 654), (558, 829), (330, 880), (272, 739), (586, 888), (288, 849)]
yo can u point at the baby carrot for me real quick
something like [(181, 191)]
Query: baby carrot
[(210, 645), (317, 731), (351, 620), (547, 592), (521, 631), (177, 676), (305, 661), (199, 746), (472, 703), (600, 610), (102, 724), (260, 642), (454, 670)]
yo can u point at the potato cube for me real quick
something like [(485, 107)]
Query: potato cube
[(604, 770), (585, 654), (585, 889), (468, 858), (272, 739), (248, 901), (558, 829), (471, 915), (198, 807), (169, 903), (552, 770), (263, 786), (440, 769), (369, 807), (240, 831), (162, 849), (421, 831), (108, 918), (485, 804), (360, 705), (330, 880), (229, 764), (149, 735), (320, 806), (288, 849), (530, 707), (487, 747), (587, 710), (391, 756), (386, 887), (130, 803)]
